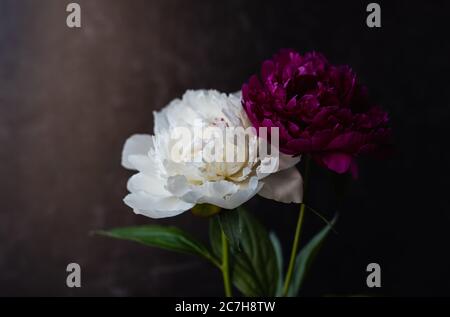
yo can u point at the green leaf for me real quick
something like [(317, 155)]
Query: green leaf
[(169, 238), (279, 254), (306, 256), (205, 210), (322, 217), (255, 269), (230, 222)]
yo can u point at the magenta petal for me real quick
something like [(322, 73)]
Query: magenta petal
[(320, 139), (320, 109), (338, 162), (267, 123), (245, 92), (267, 70), (292, 103), (254, 82), (347, 141), (299, 145), (293, 128)]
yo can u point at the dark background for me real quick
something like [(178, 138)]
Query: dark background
[(69, 98)]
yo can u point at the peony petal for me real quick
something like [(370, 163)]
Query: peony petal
[(178, 113), (156, 207), (285, 186), (288, 161), (144, 164), (338, 162), (275, 162), (268, 166), (161, 123), (201, 104), (137, 144), (349, 141), (236, 199), (179, 186), (223, 194), (267, 70), (301, 145), (150, 185)]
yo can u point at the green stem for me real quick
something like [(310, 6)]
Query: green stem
[(298, 230), (225, 266)]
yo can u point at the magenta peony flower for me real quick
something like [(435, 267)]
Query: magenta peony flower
[(320, 109)]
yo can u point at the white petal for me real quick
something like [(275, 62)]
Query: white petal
[(285, 186), (239, 197), (150, 185), (137, 144), (268, 166), (237, 95), (177, 113), (160, 122), (228, 195), (207, 104), (288, 161), (178, 185), (223, 193), (275, 163), (156, 207)]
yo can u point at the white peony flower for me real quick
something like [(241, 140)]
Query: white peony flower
[(174, 178)]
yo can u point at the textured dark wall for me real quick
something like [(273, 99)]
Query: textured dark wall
[(70, 97)]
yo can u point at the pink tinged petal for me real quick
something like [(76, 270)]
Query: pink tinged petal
[(285, 186), (337, 162), (138, 144)]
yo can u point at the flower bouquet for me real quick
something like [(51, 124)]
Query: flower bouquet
[(211, 152)]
